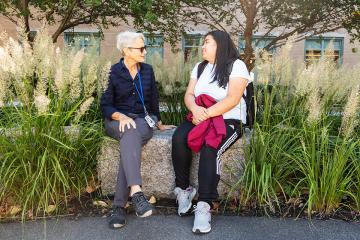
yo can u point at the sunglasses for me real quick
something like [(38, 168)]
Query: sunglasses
[(140, 48)]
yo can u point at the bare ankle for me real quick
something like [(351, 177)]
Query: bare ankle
[(134, 189)]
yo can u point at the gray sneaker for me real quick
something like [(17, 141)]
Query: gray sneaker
[(184, 199), (202, 221), (142, 207), (117, 219)]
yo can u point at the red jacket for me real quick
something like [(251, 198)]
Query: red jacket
[(210, 131)]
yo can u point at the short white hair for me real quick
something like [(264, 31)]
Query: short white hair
[(125, 39)]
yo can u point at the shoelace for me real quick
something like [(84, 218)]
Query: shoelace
[(140, 200), (183, 195), (116, 211), (200, 210)]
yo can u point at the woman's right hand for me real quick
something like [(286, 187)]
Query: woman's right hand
[(199, 115), (123, 121), (126, 121)]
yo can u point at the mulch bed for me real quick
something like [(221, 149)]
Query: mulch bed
[(95, 205)]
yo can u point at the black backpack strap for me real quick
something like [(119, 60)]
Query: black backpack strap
[(250, 105), (201, 68), (249, 101)]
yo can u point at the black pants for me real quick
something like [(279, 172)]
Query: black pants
[(210, 163)]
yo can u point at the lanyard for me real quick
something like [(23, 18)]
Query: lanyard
[(140, 93)]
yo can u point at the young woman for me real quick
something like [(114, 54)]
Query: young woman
[(130, 106), (223, 80)]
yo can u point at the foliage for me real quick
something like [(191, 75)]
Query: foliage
[(305, 143)]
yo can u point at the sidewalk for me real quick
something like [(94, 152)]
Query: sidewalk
[(173, 227)]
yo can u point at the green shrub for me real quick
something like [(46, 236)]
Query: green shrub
[(305, 140), (51, 137)]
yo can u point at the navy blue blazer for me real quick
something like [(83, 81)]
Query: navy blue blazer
[(121, 95)]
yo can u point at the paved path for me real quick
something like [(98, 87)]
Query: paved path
[(173, 227)]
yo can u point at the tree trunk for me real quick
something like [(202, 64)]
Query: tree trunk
[(65, 21), (250, 15), (24, 9), (57, 34), (249, 51)]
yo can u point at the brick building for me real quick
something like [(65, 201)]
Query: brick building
[(345, 53)]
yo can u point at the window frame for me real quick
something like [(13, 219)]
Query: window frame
[(90, 33), (322, 50), (184, 46), (149, 36), (254, 39)]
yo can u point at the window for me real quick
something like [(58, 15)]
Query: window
[(315, 48), (154, 46), (86, 40), (192, 45), (32, 35), (258, 43)]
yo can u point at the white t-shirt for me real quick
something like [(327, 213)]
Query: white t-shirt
[(204, 85)]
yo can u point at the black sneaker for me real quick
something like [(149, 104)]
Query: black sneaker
[(117, 218), (142, 207)]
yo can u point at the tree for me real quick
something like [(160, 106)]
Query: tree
[(66, 14), (353, 22), (278, 18)]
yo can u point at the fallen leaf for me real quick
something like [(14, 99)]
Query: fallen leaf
[(291, 201), (294, 201), (2, 210), (71, 210), (50, 208), (90, 189), (216, 206), (14, 210), (307, 211), (100, 203), (30, 214), (233, 204), (92, 186), (305, 192), (152, 200)]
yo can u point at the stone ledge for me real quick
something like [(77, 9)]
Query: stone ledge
[(156, 166)]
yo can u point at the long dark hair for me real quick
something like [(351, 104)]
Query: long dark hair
[(226, 54)]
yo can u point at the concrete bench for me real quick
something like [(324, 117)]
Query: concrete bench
[(156, 166)]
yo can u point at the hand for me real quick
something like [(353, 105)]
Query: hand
[(126, 121), (200, 114), (162, 127)]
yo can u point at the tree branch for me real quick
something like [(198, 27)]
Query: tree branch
[(64, 21)]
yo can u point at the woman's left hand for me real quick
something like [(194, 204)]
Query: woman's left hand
[(163, 127), (196, 121)]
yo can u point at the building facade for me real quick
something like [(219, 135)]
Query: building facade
[(86, 36)]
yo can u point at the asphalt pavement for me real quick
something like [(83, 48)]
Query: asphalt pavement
[(173, 227)]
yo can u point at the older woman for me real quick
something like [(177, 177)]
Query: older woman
[(214, 98), (130, 106)]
